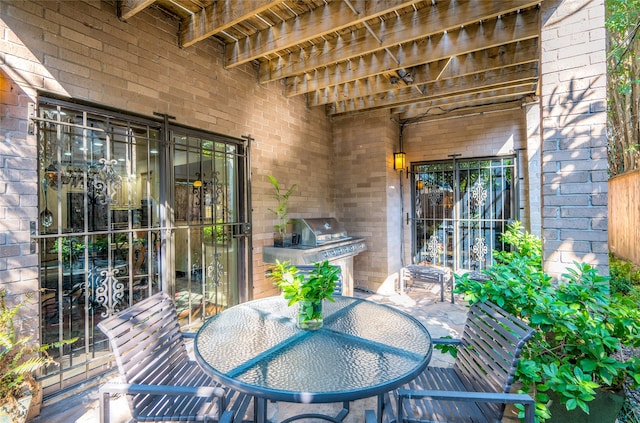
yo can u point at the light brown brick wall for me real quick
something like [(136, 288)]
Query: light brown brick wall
[(82, 50), (18, 203), (366, 190)]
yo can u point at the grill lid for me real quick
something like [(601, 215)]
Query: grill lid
[(318, 231)]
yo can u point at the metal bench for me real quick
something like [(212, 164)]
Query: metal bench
[(160, 380), (415, 274), (477, 387)]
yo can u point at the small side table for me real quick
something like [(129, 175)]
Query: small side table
[(430, 274)]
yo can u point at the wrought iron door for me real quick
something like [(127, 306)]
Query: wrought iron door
[(110, 222), (460, 209)]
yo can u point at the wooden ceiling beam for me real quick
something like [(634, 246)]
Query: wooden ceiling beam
[(437, 47), (440, 107), (488, 81), (471, 63), (218, 16), (128, 8), (451, 103), (327, 19), (374, 84), (401, 31), (477, 107)]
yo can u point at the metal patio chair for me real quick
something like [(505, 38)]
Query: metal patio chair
[(477, 387), (160, 380)]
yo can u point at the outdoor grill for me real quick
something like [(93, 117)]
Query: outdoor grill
[(320, 239)]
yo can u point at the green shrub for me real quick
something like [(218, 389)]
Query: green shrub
[(580, 326), (624, 275)]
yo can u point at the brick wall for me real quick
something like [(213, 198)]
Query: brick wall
[(18, 203), (574, 148), (367, 193), (82, 50)]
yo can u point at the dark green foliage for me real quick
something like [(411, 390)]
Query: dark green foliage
[(580, 325)]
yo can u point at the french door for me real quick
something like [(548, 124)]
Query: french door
[(460, 208), (128, 207)]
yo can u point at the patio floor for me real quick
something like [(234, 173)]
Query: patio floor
[(441, 318)]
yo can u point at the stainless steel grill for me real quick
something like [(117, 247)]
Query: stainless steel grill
[(320, 239)]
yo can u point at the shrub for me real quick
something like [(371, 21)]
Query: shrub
[(580, 325)]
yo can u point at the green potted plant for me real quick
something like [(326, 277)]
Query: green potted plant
[(281, 212), (574, 358), (72, 248), (20, 357), (217, 234), (307, 290)]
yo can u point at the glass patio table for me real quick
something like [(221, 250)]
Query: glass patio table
[(363, 350)]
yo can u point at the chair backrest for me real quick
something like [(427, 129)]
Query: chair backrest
[(146, 340), (489, 352)]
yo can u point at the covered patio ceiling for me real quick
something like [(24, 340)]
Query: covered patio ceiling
[(416, 58)]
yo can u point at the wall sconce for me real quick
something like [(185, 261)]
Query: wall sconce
[(399, 160), (198, 182), (419, 184)]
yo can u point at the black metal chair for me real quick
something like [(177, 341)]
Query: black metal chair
[(477, 387), (160, 380)]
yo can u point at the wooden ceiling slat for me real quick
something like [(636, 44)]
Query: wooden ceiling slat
[(447, 105), (313, 25), (491, 34), (470, 63), (219, 16), (409, 27), (128, 8), (489, 81)]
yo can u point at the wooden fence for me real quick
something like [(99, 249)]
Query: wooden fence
[(624, 216)]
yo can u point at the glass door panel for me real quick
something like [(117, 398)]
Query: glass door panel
[(99, 230), (206, 216)]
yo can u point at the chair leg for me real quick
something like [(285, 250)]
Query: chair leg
[(104, 408)]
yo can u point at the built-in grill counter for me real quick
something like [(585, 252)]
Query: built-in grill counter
[(320, 239)]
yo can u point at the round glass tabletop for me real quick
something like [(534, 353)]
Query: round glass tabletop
[(363, 349)]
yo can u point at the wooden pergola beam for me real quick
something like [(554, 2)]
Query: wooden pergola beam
[(512, 54), (324, 20), (218, 16), (404, 31), (128, 8), (453, 87)]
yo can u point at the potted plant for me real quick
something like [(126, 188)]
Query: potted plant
[(574, 358), (281, 212), (20, 357), (72, 248), (307, 290), (217, 234)]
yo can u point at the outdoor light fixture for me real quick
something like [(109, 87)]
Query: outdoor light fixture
[(399, 160), (419, 184), (198, 182)]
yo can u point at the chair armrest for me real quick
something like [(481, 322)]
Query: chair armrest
[(497, 397), (189, 335), (448, 341), (128, 388), (195, 391), (370, 416), (227, 417)]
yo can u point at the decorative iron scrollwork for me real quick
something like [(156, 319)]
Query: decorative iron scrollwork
[(479, 193), (434, 248), (215, 270), (106, 181), (479, 250), (109, 293)]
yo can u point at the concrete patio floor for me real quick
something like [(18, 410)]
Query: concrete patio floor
[(441, 319)]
